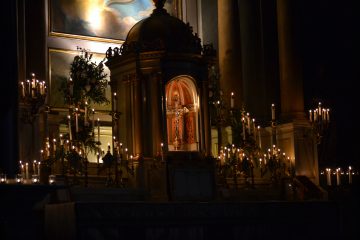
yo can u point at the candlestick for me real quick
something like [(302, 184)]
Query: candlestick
[(273, 112), (232, 100)]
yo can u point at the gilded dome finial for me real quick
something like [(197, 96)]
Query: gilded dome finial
[(159, 3)]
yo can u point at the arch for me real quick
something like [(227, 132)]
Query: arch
[(182, 114)]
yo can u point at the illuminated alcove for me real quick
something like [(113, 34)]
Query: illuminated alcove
[(182, 114)]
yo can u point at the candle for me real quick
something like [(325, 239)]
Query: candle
[(162, 151), (85, 118), (254, 128), (350, 176), (38, 169), (127, 155), (22, 171), (22, 89), (71, 87), (28, 87), (243, 128), (34, 166), (259, 137), (54, 146), (310, 116), (98, 124), (76, 120), (338, 176), (26, 171), (61, 139), (93, 119), (273, 112), (327, 115), (248, 122), (69, 126), (319, 110), (315, 115), (114, 102), (232, 100)]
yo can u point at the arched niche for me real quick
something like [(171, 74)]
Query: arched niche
[(182, 114)]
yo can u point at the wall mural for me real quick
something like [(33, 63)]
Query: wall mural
[(102, 20)]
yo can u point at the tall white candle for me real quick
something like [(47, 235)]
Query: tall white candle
[(98, 125), (328, 176), (85, 117), (38, 169), (319, 110), (310, 116), (69, 125), (22, 89), (338, 176), (114, 101), (328, 115), (26, 171), (34, 166), (232, 100), (76, 120), (273, 112), (243, 128), (350, 176), (93, 119), (259, 132), (54, 145), (254, 128)]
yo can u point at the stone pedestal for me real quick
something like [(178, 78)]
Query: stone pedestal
[(297, 140)]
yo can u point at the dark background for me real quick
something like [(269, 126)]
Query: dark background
[(329, 40)]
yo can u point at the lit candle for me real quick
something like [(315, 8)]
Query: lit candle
[(232, 100), (22, 170), (22, 89), (34, 166), (61, 140), (127, 155), (93, 119), (254, 128), (98, 124), (273, 112), (315, 115), (350, 176), (76, 120), (38, 169), (28, 87), (69, 125), (338, 176), (319, 110), (243, 128), (259, 132), (71, 87), (54, 146), (328, 115), (85, 118), (310, 116), (114, 101), (162, 151), (26, 171), (248, 123)]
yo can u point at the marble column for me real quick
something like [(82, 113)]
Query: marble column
[(229, 51), (295, 135), (290, 65)]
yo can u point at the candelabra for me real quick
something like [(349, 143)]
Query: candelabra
[(320, 121), (32, 98)]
